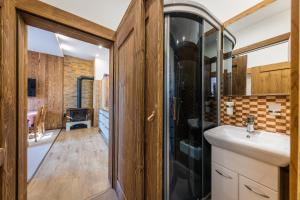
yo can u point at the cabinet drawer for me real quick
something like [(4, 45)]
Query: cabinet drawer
[(224, 183), (250, 190), (258, 171)]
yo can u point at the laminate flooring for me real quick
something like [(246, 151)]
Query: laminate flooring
[(75, 168), (37, 151)]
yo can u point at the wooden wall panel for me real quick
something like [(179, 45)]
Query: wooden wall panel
[(104, 93), (74, 68), (96, 101), (36, 68), (271, 79), (154, 100), (57, 85), (54, 87), (48, 71)]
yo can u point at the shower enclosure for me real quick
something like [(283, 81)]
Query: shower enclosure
[(192, 99)]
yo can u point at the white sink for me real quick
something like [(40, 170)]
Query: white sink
[(267, 147)]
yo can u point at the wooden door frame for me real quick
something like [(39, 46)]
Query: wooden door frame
[(295, 109), (32, 19)]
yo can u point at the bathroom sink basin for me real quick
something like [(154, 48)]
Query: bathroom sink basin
[(267, 147)]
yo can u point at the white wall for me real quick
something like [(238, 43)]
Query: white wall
[(226, 9), (271, 55), (104, 12), (269, 27), (102, 64), (265, 29), (110, 12)]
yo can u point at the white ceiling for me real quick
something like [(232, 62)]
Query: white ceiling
[(110, 12), (50, 43), (104, 12), (43, 42)]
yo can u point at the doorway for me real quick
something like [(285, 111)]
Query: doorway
[(77, 129)]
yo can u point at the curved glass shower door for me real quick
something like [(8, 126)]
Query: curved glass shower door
[(191, 104)]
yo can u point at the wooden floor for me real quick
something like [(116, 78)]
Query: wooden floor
[(75, 168), (110, 194)]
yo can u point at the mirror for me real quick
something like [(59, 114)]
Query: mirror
[(256, 53)]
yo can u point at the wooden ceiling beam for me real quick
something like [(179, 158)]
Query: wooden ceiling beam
[(248, 12), (49, 12)]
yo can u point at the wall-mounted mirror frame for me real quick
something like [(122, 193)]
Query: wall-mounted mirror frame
[(244, 77), (249, 62)]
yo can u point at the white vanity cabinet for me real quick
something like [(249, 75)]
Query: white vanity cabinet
[(224, 183), (237, 177), (251, 190)]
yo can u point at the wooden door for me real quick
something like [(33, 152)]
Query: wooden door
[(129, 127), (239, 73)]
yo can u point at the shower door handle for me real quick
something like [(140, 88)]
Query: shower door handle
[(174, 108), (151, 117)]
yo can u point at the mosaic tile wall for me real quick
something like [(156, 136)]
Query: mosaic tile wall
[(257, 106)]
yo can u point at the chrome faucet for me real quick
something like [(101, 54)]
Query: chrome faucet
[(250, 123)]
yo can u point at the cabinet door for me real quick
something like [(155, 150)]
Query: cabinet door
[(250, 190), (224, 183)]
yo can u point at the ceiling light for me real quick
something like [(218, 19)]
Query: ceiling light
[(97, 55), (100, 46)]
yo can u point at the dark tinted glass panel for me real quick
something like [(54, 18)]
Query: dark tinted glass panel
[(184, 106), (210, 98), (227, 66), (191, 104)]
